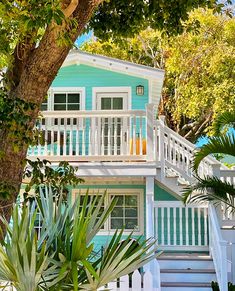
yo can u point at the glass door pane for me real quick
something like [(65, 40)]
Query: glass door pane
[(112, 126)]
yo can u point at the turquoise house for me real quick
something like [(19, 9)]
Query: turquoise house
[(101, 115)]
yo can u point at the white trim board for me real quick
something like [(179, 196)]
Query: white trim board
[(77, 57), (54, 90), (112, 90)]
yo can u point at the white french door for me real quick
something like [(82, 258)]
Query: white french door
[(113, 129)]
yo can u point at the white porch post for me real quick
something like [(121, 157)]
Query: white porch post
[(149, 207), (153, 266)]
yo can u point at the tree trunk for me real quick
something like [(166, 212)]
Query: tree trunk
[(32, 77)]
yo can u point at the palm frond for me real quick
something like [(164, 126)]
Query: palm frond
[(210, 189), (121, 257), (224, 144), (226, 119)]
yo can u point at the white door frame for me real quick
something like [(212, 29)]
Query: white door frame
[(98, 92)]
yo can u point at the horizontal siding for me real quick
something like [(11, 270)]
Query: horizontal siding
[(88, 77), (162, 195)]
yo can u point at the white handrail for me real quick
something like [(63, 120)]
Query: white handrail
[(218, 249), (91, 113)]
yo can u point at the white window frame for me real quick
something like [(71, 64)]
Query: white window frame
[(65, 90), (124, 92), (110, 192)]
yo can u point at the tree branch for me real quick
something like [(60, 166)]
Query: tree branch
[(68, 11)]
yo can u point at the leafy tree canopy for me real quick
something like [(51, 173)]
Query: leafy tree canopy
[(199, 66)]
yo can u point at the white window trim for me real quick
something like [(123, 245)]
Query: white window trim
[(110, 192), (111, 90), (55, 90)]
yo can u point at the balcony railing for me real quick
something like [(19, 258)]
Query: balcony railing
[(93, 135)]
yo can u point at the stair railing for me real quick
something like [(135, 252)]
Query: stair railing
[(175, 152), (218, 249)]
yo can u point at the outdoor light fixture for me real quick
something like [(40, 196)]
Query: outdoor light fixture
[(139, 90)]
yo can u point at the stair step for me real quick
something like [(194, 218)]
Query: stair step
[(185, 284), (185, 261), (191, 271), (185, 257)]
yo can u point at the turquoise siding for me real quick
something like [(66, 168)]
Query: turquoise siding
[(162, 195), (89, 77)]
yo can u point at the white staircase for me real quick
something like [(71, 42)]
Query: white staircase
[(186, 272)]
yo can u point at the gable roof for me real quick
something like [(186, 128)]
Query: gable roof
[(81, 57), (153, 75)]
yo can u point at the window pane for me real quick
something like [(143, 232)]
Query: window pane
[(60, 107), (119, 198), (73, 98), (59, 98), (44, 107), (131, 200), (106, 103), (116, 223), (73, 106), (131, 223), (117, 212), (131, 212), (117, 103)]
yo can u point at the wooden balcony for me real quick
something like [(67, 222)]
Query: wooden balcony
[(113, 135)]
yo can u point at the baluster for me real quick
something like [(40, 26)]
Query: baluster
[(186, 226), (65, 138), (163, 226), (122, 137), (45, 139), (84, 137), (109, 135), (168, 227), (141, 138), (89, 139), (115, 136), (127, 150), (77, 137), (52, 140), (181, 226), (97, 140), (175, 230), (71, 136), (58, 136), (205, 226), (134, 135), (102, 136), (193, 227), (199, 226), (155, 215)]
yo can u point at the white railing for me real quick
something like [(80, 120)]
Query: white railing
[(175, 152), (135, 282), (218, 249), (93, 135), (181, 227)]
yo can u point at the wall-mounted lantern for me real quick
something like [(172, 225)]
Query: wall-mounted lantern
[(139, 90)]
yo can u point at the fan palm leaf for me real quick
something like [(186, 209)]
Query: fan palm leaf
[(121, 258), (224, 120), (224, 144), (210, 189), (21, 263)]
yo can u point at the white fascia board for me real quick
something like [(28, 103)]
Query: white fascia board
[(76, 58), (116, 170)]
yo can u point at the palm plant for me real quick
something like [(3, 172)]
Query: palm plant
[(21, 263), (212, 188), (62, 258)]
